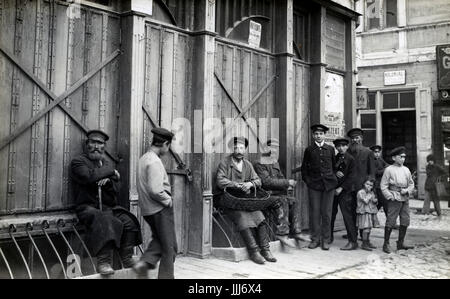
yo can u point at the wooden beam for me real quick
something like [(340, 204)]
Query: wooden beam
[(56, 99)]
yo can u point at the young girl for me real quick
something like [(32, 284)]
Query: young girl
[(366, 211)]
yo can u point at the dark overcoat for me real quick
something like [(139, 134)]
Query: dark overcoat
[(318, 167), (365, 165), (101, 226)]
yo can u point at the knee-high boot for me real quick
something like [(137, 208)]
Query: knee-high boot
[(104, 260), (252, 246), (387, 236), (401, 239), (263, 238)]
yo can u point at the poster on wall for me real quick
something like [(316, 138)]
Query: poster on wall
[(254, 36), (334, 106)]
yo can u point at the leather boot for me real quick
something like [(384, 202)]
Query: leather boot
[(370, 243), (263, 237), (365, 242), (401, 239), (350, 246), (387, 235), (104, 261), (126, 255), (325, 245), (252, 246)]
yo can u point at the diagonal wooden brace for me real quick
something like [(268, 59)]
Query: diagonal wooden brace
[(182, 170), (56, 99), (243, 111)]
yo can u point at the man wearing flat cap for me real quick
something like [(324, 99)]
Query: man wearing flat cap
[(286, 209), (319, 175), (380, 166), (237, 172), (156, 204), (96, 185), (397, 184), (345, 172)]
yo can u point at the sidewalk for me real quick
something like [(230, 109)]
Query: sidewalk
[(418, 204)]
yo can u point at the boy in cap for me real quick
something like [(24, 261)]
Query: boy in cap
[(156, 203), (380, 166), (345, 172), (396, 185), (96, 185), (287, 208), (434, 171), (319, 175), (237, 172)]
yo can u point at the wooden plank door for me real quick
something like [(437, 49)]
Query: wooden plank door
[(167, 99), (424, 106)]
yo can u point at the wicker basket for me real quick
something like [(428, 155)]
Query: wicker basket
[(236, 199)]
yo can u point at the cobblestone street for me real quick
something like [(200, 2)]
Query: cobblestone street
[(428, 260)]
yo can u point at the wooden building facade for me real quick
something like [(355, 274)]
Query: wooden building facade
[(70, 66)]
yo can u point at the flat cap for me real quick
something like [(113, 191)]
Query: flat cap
[(376, 147), (397, 151), (341, 140), (273, 142), (235, 140), (97, 135), (355, 132), (319, 127), (163, 133)]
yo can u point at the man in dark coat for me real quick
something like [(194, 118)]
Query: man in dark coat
[(319, 175), (237, 172), (380, 166), (287, 209), (434, 171), (364, 163), (345, 172), (95, 186)]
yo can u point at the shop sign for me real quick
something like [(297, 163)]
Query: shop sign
[(443, 64), (395, 77)]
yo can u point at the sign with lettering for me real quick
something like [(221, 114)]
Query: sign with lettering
[(254, 36), (443, 65), (333, 116), (395, 77)]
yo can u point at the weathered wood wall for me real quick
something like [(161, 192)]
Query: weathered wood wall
[(59, 50), (244, 73), (167, 98)]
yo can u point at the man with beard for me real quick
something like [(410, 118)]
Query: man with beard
[(287, 208), (364, 163), (319, 175), (345, 172), (156, 203), (109, 226), (380, 166), (237, 172)]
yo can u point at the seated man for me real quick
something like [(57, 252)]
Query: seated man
[(237, 172), (108, 225), (287, 209)]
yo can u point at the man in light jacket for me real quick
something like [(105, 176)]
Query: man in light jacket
[(155, 201)]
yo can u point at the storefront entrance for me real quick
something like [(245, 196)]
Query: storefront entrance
[(399, 129)]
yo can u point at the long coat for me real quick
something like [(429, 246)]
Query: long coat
[(101, 227), (380, 166), (318, 167), (272, 178), (229, 176), (365, 165)]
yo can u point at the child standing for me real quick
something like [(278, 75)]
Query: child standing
[(366, 211)]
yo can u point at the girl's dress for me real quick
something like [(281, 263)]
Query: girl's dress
[(366, 213)]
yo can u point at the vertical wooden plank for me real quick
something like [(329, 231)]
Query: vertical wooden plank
[(37, 169), (246, 89), (218, 98), (271, 100), (227, 73), (56, 117), (22, 105), (111, 78), (7, 20)]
